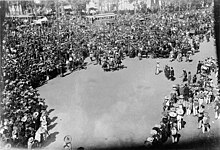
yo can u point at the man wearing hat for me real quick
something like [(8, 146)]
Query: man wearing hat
[(166, 103), (30, 142), (201, 97), (194, 79), (180, 113), (174, 133), (184, 75), (195, 106), (189, 78), (172, 115), (200, 115), (217, 109), (199, 68), (189, 106), (172, 74), (205, 123)]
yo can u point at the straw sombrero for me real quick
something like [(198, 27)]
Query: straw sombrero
[(31, 139), (15, 128), (181, 97), (42, 130), (172, 114), (172, 109), (175, 86), (175, 105), (150, 139), (157, 125), (167, 97), (180, 112), (153, 132), (24, 119), (35, 114)]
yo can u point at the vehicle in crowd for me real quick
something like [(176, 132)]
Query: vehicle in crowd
[(106, 17)]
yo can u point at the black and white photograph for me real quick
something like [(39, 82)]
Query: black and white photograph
[(109, 74)]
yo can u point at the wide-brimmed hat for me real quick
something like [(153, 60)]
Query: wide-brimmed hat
[(172, 109), (175, 105), (173, 92), (172, 114), (180, 111), (150, 139), (42, 130), (153, 132), (15, 128), (35, 114), (167, 97), (181, 97), (31, 139), (174, 85), (24, 119), (157, 125)]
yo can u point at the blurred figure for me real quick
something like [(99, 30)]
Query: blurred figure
[(205, 123), (174, 133), (194, 79), (157, 71), (189, 78), (172, 77), (200, 115), (199, 68)]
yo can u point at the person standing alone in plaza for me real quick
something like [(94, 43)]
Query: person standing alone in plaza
[(172, 74), (157, 71), (189, 78)]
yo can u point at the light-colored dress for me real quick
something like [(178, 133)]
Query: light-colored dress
[(157, 68)]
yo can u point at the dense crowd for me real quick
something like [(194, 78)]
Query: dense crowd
[(191, 97), (39, 53), (34, 54)]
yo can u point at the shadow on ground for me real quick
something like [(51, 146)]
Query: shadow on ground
[(207, 143), (51, 138)]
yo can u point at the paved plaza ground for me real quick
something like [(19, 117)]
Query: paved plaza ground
[(106, 109)]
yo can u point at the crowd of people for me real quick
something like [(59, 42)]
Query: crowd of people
[(191, 97), (40, 53), (24, 117), (34, 54)]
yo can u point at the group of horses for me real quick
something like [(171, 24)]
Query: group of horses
[(112, 63)]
